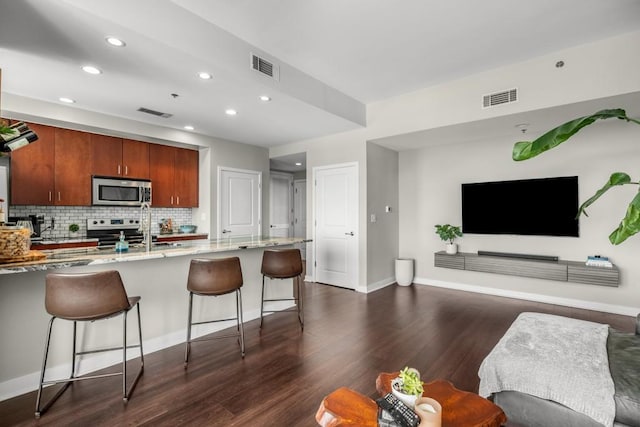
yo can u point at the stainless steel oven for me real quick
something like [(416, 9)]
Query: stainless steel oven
[(120, 192)]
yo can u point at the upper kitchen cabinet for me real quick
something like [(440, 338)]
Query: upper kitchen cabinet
[(55, 170), (174, 176), (32, 169), (119, 157), (73, 167)]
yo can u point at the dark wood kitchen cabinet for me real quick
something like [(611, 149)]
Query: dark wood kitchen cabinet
[(55, 170), (32, 177), (73, 164), (119, 157), (174, 176)]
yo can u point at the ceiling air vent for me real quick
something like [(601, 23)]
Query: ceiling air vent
[(498, 98), (155, 113), (265, 67)]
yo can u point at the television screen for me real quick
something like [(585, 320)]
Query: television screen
[(535, 207)]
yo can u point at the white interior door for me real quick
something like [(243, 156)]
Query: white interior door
[(281, 205), (300, 212), (239, 206), (336, 225)]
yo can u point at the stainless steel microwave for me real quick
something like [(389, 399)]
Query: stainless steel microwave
[(120, 192)]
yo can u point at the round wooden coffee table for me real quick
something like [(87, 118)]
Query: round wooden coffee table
[(346, 407)]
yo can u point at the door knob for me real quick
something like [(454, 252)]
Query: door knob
[(226, 231), (349, 234)]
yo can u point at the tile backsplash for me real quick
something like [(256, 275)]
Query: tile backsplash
[(65, 215)]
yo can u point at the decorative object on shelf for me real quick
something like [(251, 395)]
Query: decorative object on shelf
[(73, 230), (188, 228), (166, 226), (448, 233), (15, 136), (407, 386), (430, 412), (598, 261), (524, 150)]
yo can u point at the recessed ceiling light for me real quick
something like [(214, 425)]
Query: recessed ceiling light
[(113, 41), (298, 164), (66, 100), (91, 69), (204, 75), (230, 112), (189, 127), (265, 98)]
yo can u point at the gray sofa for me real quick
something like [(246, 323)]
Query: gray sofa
[(624, 364)]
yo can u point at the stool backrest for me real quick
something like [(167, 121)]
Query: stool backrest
[(282, 263), (214, 276), (85, 296)]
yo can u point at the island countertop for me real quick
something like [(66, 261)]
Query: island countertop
[(63, 258)]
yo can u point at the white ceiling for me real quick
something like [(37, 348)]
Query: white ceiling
[(335, 56)]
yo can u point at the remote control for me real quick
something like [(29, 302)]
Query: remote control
[(398, 410)]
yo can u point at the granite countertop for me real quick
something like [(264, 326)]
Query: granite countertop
[(63, 258)]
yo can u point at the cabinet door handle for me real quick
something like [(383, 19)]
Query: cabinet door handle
[(171, 199), (118, 169), (177, 200), (59, 198), (126, 170), (50, 195)]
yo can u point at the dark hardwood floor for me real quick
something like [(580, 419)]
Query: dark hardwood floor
[(348, 339)]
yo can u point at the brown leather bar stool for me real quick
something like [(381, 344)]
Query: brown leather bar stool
[(214, 277), (283, 264), (87, 297)]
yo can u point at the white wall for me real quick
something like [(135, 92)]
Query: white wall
[(382, 235), (593, 71), (430, 181)]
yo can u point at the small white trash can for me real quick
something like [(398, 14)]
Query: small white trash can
[(404, 271)]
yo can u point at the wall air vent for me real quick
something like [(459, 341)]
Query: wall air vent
[(265, 67), (504, 97), (155, 113)]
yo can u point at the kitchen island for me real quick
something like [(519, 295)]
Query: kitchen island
[(157, 275)]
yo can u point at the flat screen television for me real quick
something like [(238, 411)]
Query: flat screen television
[(533, 207)]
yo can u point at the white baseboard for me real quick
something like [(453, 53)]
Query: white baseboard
[(569, 302), (24, 384), (371, 287)]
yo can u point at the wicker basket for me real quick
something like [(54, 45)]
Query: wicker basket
[(14, 242)]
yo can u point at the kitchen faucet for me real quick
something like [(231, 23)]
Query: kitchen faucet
[(145, 224)]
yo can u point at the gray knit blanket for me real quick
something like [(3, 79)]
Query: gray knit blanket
[(554, 358)]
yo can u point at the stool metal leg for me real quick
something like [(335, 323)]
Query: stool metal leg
[(187, 349), (262, 303), (300, 301), (127, 393), (240, 321), (47, 405)]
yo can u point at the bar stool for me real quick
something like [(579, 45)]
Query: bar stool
[(283, 264), (214, 277), (87, 297)]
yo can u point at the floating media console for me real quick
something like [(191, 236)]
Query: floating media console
[(523, 256), (539, 267)]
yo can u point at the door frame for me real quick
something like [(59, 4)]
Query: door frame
[(314, 204), (219, 196), (289, 177)]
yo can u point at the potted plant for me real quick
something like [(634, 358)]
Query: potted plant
[(448, 233), (523, 150), (73, 230), (407, 386)]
